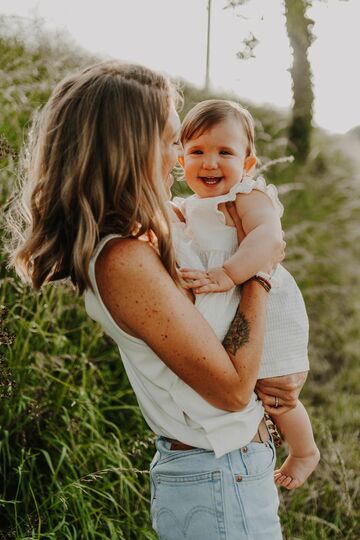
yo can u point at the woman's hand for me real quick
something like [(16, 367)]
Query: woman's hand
[(286, 389)]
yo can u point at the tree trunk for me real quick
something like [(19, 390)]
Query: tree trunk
[(299, 29)]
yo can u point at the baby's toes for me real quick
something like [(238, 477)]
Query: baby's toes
[(286, 483), (279, 480), (293, 484)]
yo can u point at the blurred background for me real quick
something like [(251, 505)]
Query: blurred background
[(74, 448)]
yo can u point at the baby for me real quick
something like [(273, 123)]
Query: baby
[(218, 250)]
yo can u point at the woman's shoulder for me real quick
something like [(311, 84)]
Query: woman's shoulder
[(124, 270), (120, 255)]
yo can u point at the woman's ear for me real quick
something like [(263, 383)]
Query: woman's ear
[(249, 163), (181, 161)]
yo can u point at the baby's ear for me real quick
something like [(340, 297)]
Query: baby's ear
[(249, 163), (181, 161)]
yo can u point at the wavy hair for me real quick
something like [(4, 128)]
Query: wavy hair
[(92, 167)]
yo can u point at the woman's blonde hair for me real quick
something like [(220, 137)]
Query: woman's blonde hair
[(92, 167), (206, 114)]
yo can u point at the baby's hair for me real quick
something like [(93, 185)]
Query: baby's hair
[(208, 113), (93, 167)]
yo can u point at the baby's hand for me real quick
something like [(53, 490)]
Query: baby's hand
[(214, 280)]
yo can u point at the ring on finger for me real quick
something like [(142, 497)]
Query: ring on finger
[(276, 402)]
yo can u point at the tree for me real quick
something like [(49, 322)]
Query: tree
[(299, 29)]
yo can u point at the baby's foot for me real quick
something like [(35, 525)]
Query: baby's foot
[(295, 470)]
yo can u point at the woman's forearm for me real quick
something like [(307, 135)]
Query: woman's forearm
[(245, 339)]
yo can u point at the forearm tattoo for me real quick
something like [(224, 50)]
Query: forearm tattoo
[(238, 334)]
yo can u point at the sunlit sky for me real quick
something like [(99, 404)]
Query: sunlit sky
[(170, 35)]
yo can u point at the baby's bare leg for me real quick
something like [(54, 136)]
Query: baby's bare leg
[(304, 455)]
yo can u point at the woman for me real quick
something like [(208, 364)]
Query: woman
[(94, 208)]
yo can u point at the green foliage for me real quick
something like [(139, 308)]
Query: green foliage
[(74, 448)]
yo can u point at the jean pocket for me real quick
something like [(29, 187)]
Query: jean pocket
[(189, 506), (258, 459), (258, 495)]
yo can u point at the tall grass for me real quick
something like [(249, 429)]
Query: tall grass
[(74, 448)]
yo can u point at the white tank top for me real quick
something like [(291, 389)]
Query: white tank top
[(171, 407)]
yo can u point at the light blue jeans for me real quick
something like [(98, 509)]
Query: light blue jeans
[(196, 496)]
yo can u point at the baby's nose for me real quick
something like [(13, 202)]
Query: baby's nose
[(210, 162)]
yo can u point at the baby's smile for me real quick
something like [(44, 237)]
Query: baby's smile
[(211, 180)]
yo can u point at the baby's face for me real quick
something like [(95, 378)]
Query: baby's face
[(214, 162)]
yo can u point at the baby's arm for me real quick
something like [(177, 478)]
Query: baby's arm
[(264, 238), (261, 249)]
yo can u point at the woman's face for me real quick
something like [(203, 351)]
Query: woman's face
[(170, 146)]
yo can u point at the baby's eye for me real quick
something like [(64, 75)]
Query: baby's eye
[(224, 152), (197, 152)]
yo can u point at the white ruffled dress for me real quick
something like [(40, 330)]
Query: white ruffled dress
[(205, 241)]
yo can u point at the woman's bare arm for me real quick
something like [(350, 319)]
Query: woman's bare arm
[(145, 302)]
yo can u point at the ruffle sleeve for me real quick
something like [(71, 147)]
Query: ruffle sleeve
[(247, 185), (180, 202)]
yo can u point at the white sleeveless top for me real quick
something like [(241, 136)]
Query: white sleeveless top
[(205, 241), (171, 407)]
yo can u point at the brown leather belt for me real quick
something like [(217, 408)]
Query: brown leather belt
[(261, 436)]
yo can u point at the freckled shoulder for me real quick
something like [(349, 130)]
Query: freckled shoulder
[(121, 255), (124, 271)]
